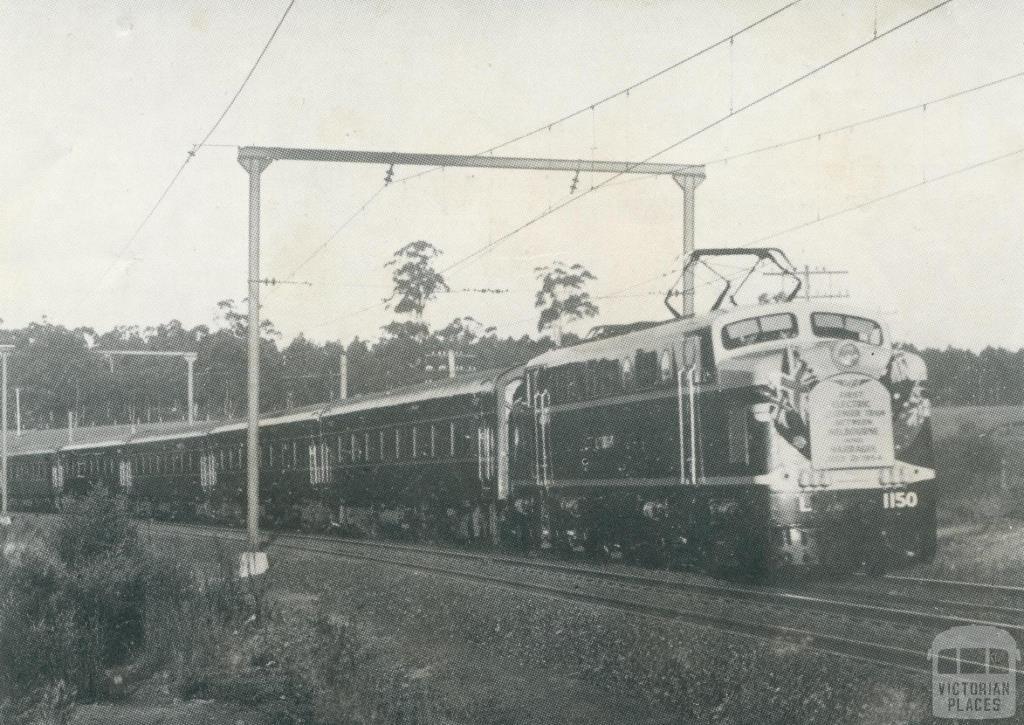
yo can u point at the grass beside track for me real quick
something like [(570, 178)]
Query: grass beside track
[(481, 653), (534, 659)]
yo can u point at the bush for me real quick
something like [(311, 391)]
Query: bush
[(76, 605)]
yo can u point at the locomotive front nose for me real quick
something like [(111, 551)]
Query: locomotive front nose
[(846, 355)]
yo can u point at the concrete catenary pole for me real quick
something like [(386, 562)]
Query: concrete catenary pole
[(190, 360), (253, 561), (688, 183), (5, 519), (343, 374)]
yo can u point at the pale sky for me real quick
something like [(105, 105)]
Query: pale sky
[(99, 103)]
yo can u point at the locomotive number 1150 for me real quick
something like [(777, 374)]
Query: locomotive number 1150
[(899, 499)]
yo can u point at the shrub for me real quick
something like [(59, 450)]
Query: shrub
[(75, 605)]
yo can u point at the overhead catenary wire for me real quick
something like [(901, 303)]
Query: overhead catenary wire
[(760, 99), (312, 255), (817, 135), (195, 149), (846, 210), (590, 107), (889, 195), (624, 91), (865, 121), (583, 194)]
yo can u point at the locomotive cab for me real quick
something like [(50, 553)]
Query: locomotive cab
[(849, 463)]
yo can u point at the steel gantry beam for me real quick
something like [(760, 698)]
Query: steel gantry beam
[(190, 360), (256, 159), (398, 158)]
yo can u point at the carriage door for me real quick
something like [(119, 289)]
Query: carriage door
[(541, 400), (207, 472), (57, 470), (509, 442), (125, 474)]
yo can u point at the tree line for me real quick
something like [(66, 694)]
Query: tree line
[(61, 372)]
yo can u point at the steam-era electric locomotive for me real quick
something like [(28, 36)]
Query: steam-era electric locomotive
[(791, 433)]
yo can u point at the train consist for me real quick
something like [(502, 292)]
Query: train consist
[(791, 433)]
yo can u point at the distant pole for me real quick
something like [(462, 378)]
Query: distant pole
[(688, 183), (17, 410), (191, 361), (451, 363), (5, 519), (254, 562), (343, 374)]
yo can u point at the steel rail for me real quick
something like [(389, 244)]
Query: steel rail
[(875, 652), (856, 609), (955, 583), (822, 643)]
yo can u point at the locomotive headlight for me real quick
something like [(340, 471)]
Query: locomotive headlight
[(847, 355)]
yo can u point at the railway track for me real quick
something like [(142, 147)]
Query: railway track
[(956, 584), (645, 594)]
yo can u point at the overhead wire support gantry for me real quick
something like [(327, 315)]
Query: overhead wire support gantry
[(256, 159)]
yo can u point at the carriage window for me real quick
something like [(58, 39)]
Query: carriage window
[(646, 368), (846, 327), (566, 383), (424, 442), (605, 377), (759, 329), (665, 367)]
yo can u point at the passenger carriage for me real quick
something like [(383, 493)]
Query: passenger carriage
[(784, 434)]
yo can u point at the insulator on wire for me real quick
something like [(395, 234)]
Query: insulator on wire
[(575, 182), (389, 175)]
